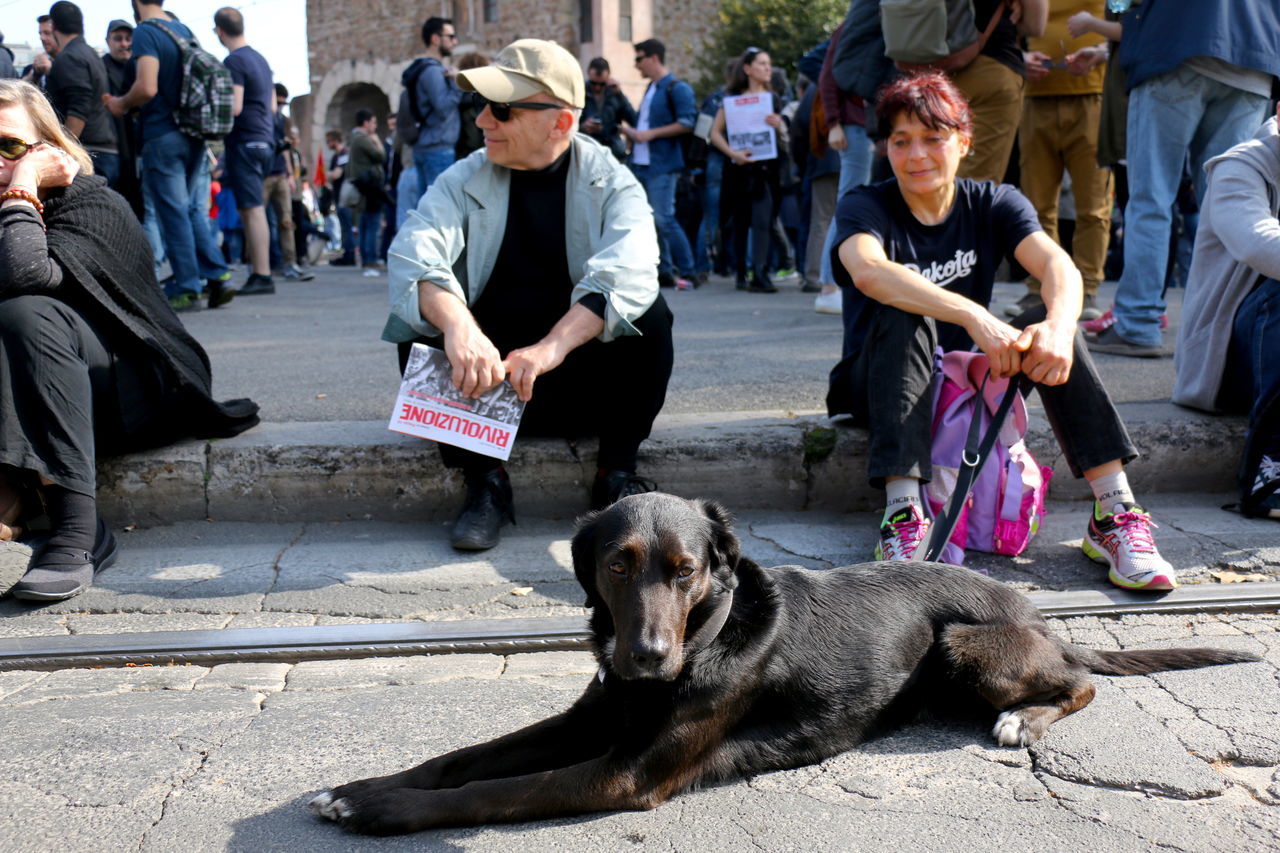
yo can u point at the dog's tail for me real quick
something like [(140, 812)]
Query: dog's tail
[(1143, 661)]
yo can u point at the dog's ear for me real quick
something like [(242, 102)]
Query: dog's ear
[(583, 549), (725, 548)]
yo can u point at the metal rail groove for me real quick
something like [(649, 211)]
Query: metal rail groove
[(500, 636)]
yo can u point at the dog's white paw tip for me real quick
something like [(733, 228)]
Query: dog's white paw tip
[(1010, 730), (326, 806)]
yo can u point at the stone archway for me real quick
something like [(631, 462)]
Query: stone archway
[(341, 110)]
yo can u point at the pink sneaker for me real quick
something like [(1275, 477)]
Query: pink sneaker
[(1093, 327), (1123, 542), (901, 533)]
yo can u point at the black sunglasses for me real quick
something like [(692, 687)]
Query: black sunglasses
[(13, 148), (502, 112)]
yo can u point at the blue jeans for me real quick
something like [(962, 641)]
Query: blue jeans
[(369, 223), (106, 165), (429, 165), (677, 257), (1253, 371), (709, 233), (1170, 115), (150, 227), (855, 170), (175, 172), (408, 193)]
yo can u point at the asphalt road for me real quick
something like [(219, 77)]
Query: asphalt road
[(311, 351)]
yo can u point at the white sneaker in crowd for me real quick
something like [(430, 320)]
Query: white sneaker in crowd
[(827, 303)]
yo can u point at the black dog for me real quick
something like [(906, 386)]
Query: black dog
[(714, 668)]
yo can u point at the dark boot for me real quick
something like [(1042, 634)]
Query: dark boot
[(488, 506), (58, 572), (612, 486)]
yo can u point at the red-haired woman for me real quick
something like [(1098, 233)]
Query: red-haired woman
[(916, 257)]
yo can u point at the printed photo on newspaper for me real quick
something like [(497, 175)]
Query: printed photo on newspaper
[(428, 406), (744, 118)]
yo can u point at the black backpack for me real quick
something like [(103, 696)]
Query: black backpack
[(693, 148), (1260, 435), (409, 116)]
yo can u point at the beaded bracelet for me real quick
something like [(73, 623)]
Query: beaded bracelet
[(25, 195)]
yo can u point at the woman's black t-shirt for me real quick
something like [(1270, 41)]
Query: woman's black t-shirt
[(961, 253)]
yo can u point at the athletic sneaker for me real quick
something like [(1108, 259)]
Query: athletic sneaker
[(901, 533), (1123, 541), (1109, 318), (828, 303)]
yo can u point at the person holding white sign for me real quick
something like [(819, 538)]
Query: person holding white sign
[(535, 261), (746, 131)]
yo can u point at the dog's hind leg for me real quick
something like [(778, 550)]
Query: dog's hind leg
[(1021, 671)]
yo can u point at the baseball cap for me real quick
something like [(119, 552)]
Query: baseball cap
[(119, 24), (525, 68)]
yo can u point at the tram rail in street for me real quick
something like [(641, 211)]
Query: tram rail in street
[(501, 636)]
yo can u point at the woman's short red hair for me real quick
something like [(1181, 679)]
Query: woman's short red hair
[(928, 95)]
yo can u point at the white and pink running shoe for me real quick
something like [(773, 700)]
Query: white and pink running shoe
[(901, 533), (1122, 540), (1108, 320)]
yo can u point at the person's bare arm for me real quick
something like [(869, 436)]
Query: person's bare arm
[(237, 99), (890, 283), (1034, 18), (477, 366), (575, 328), (673, 129), (1046, 347), (75, 125), (144, 88)]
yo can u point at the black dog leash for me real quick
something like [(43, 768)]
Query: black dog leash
[(975, 454)]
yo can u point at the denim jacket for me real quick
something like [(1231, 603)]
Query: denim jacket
[(664, 153), (453, 238)]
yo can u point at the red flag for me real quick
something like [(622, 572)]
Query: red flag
[(319, 177)]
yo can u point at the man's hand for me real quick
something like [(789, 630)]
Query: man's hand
[(477, 366), (836, 139), (637, 135), (1086, 59), (1046, 352), (591, 125), (526, 364), (1038, 64), (115, 105), (42, 63)]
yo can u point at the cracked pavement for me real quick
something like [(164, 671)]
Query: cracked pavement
[(224, 758)]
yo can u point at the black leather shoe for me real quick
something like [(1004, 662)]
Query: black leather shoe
[(489, 505), (57, 574), (762, 285), (614, 485)]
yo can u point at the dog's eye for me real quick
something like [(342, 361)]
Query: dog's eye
[(618, 567), (686, 570)]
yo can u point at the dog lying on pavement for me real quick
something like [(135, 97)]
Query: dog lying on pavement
[(714, 668)]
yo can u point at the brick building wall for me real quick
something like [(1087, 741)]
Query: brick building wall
[(358, 48)]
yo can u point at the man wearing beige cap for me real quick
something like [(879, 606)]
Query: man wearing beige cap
[(534, 260)]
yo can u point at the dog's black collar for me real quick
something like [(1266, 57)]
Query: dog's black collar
[(711, 628)]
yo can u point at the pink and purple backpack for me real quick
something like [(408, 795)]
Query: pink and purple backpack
[(1007, 500)]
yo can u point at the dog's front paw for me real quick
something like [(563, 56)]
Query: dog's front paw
[(1012, 730), (330, 807)]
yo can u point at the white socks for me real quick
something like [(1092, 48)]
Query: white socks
[(1111, 491), (900, 493)]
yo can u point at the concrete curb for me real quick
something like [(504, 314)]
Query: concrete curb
[(298, 471)]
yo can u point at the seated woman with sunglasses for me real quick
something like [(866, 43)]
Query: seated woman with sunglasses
[(535, 261), (916, 257), (92, 358)]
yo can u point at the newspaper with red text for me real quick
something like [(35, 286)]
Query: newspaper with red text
[(429, 406)]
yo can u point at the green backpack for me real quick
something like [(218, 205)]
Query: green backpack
[(205, 97), (937, 34)]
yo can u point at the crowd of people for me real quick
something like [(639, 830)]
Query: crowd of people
[(527, 215)]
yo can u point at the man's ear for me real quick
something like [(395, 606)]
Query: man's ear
[(725, 548), (566, 124), (583, 549)]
